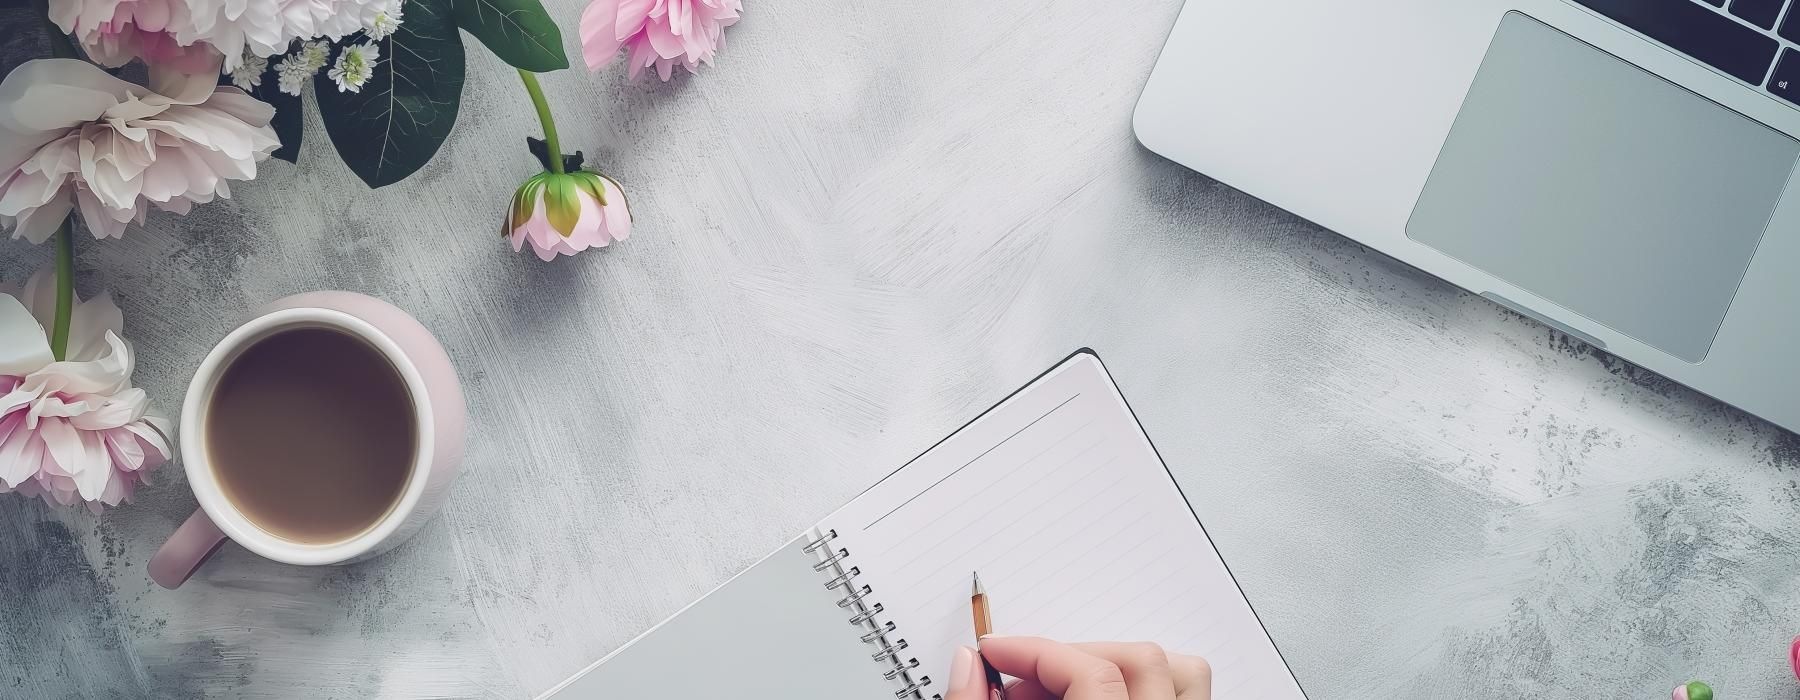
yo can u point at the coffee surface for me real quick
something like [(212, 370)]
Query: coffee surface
[(312, 435)]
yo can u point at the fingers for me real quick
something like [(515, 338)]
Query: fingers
[(1193, 677), (967, 682), (1064, 670), (1144, 665)]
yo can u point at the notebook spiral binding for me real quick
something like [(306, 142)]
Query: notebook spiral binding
[(865, 615)]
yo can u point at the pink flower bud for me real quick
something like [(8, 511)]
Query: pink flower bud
[(564, 214)]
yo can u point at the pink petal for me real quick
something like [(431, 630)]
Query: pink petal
[(667, 45), (599, 42), (631, 17)]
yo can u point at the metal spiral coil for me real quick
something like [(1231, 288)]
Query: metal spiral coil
[(865, 615)]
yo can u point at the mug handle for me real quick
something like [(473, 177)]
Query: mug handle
[(191, 545)]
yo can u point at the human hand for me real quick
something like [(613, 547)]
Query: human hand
[(1090, 671)]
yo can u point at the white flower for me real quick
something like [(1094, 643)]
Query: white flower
[(355, 64), (292, 72), (248, 74), (315, 54), (190, 31), (385, 23), (76, 430), (72, 135)]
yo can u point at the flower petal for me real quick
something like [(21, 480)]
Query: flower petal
[(23, 346), (20, 453)]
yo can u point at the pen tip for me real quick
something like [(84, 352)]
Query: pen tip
[(977, 577)]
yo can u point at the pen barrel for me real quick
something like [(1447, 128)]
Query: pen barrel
[(984, 622)]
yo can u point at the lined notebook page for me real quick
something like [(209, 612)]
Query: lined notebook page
[(1058, 499)]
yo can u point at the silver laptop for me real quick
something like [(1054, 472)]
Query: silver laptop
[(1621, 170)]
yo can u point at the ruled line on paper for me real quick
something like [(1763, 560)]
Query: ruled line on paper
[(934, 547), (963, 559), (923, 547), (1040, 593), (984, 453)]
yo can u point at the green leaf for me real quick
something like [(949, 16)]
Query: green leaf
[(525, 200), (562, 206), (520, 32), (288, 115), (396, 123), (590, 182)]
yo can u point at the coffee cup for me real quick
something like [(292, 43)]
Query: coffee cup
[(325, 430)]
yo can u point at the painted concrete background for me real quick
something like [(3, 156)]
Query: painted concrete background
[(867, 222)]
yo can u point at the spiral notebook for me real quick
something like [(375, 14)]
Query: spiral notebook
[(1055, 495)]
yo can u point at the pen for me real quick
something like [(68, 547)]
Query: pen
[(984, 626)]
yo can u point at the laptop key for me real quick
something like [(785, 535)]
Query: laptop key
[(1790, 28), (1690, 28), (1786, 83), (1761, 13)]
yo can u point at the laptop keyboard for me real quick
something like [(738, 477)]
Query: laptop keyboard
[(1738, 37)]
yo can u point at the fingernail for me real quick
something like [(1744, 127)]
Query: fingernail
[(963, 672)]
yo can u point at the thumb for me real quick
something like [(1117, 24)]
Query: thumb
[(966, 681)]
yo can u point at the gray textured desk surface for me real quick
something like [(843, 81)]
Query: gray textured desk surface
[(869, 221)]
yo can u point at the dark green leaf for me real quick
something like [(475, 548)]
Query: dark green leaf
[(396, 124), (288, 115), (520, 32)]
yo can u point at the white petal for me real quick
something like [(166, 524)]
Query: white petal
[(113, 412), (155, 432), (94, 326), (126, 449), (15, 468), (96, 470), (42, 99), (24, 347)]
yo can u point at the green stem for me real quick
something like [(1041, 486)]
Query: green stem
[(65, 290), (543, 111)]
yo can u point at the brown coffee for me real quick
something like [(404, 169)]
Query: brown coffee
[(312, 436)]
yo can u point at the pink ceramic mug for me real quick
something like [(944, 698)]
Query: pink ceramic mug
[(437, 403)]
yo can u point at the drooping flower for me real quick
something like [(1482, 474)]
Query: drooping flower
[(659, 33), (75, 430), (355, 65), (249, 73), (566, 213), (72, 135)]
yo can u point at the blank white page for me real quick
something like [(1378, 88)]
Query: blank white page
[(1058, 499)]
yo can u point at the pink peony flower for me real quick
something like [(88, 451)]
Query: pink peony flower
[(187, 35), (76, 430), (115, 31), (656, 32), (564, 214), (72, 135)]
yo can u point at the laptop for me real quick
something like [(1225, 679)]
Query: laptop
[(1622, 171)]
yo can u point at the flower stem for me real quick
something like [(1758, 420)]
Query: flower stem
[(543, 112), (65, 290)]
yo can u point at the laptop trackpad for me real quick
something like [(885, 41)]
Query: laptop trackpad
[(1599, 186)]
